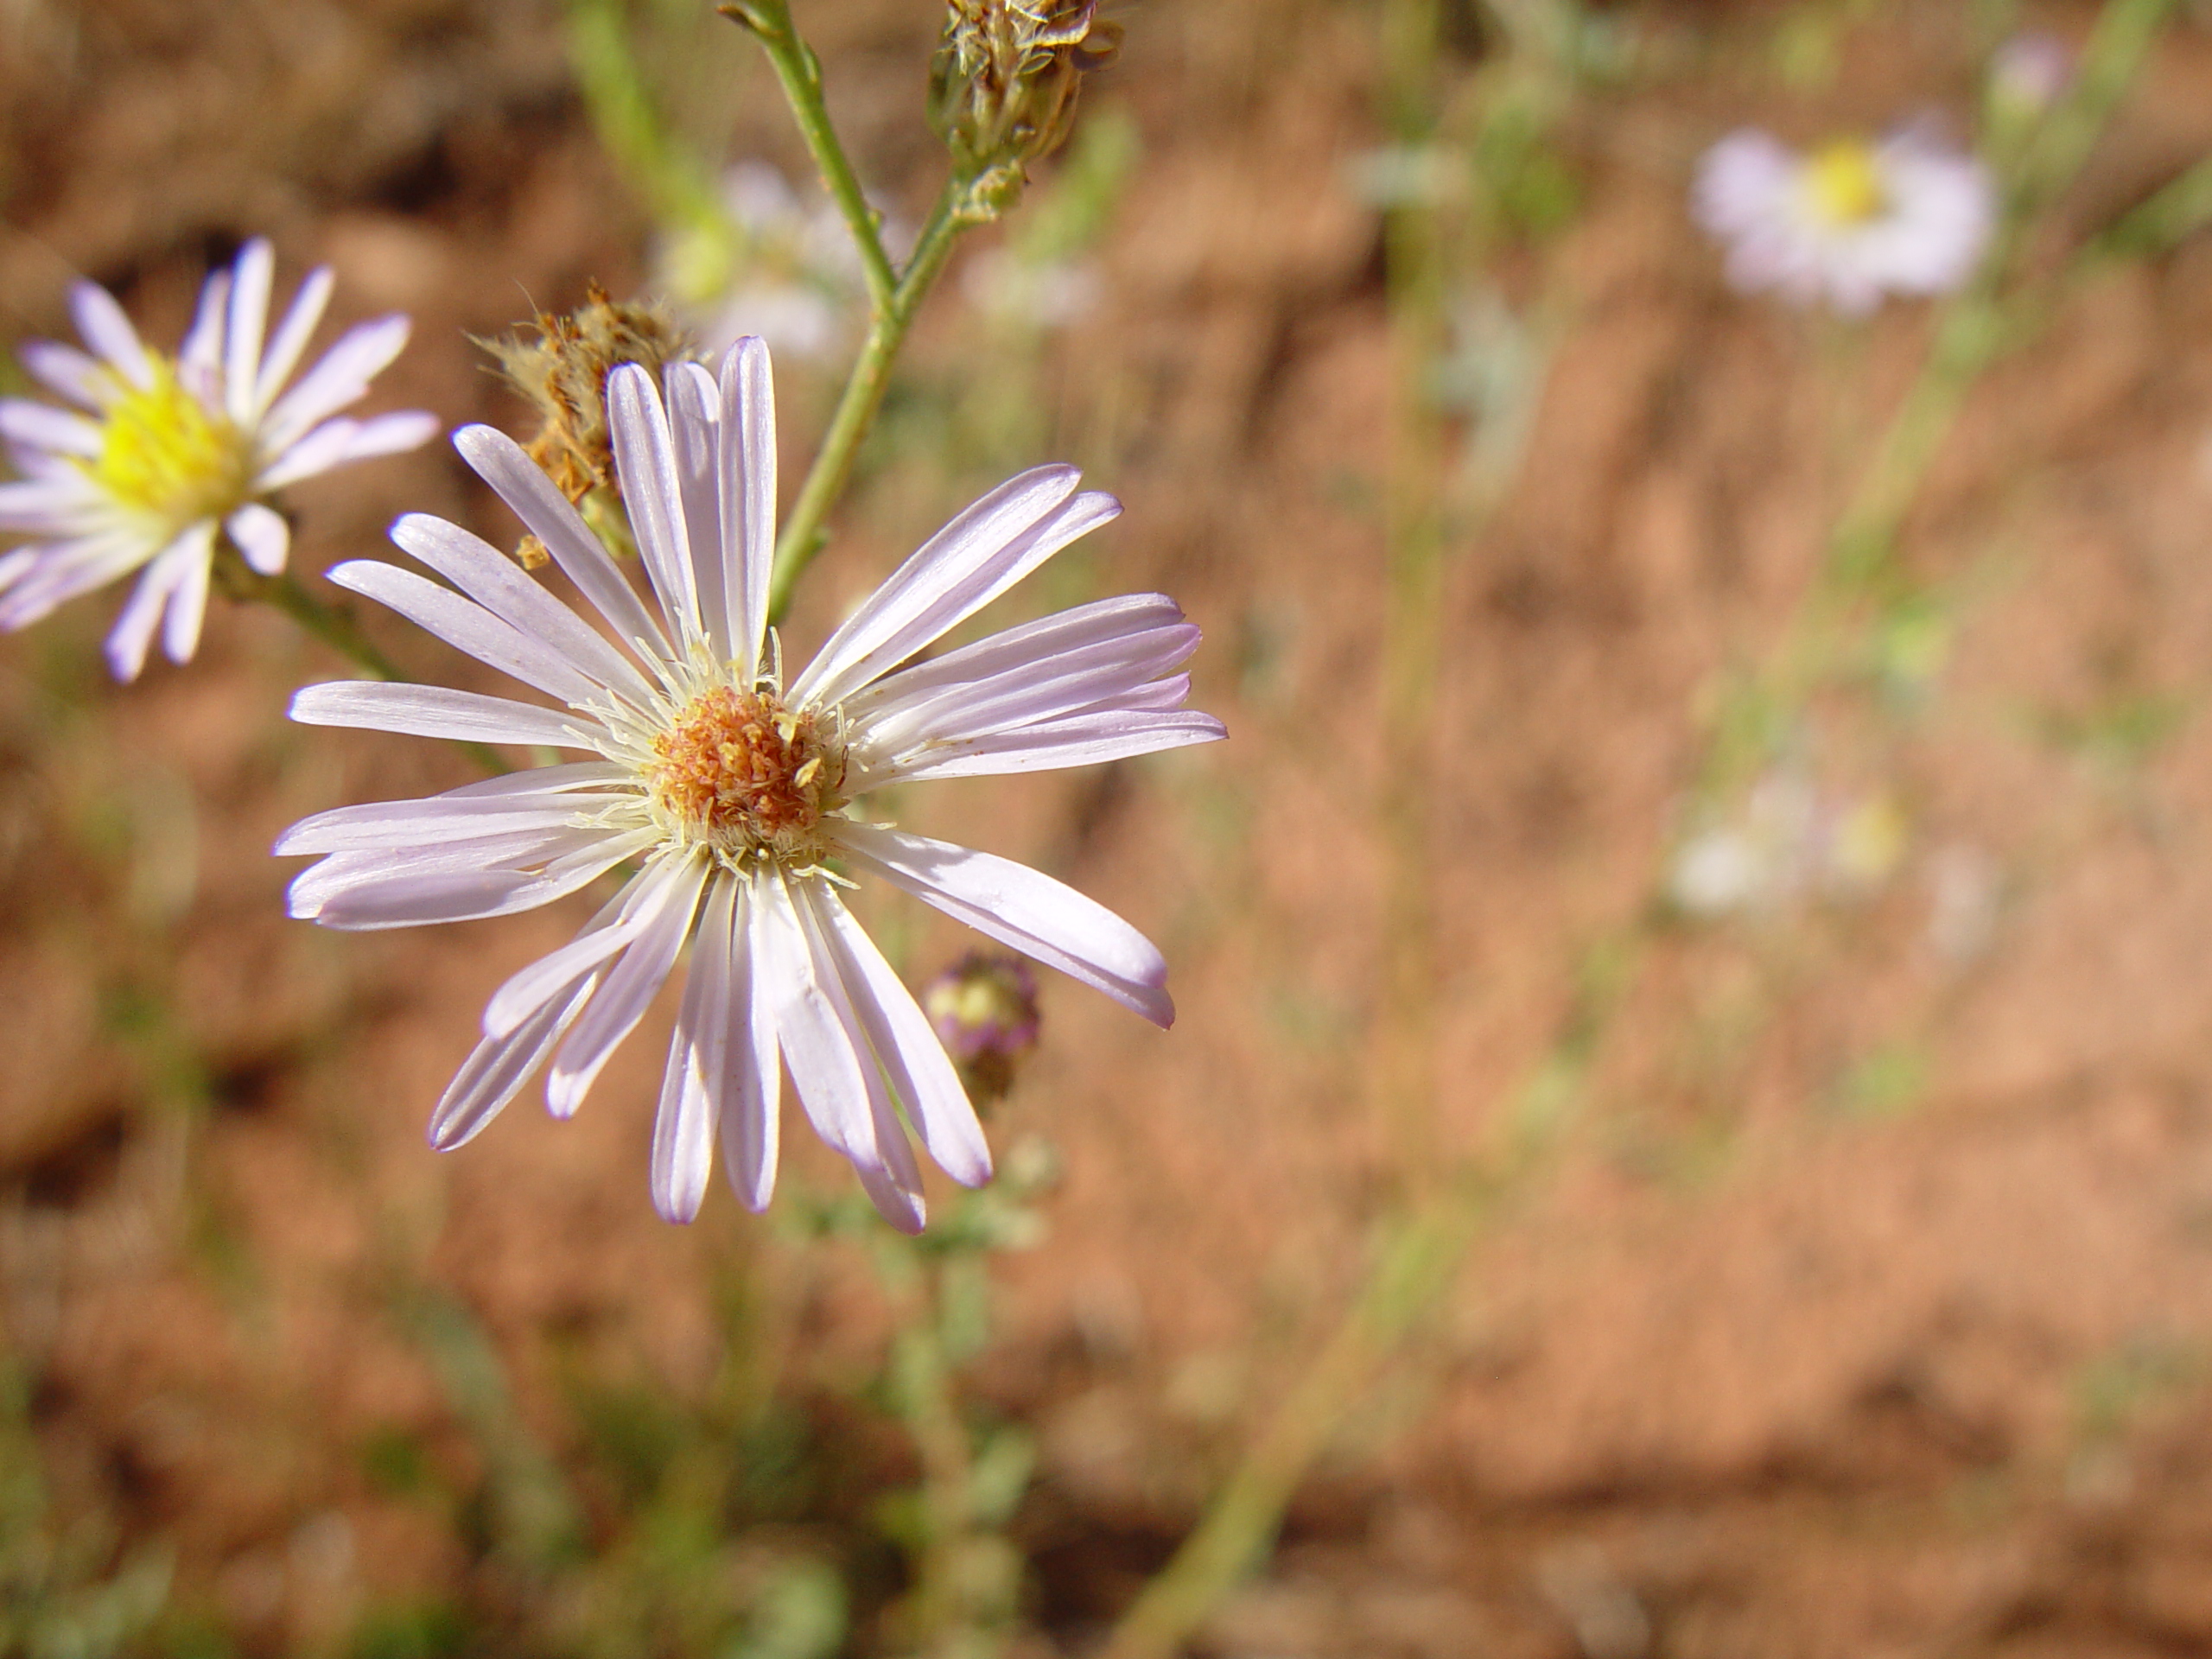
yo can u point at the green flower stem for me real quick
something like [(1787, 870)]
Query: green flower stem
[(622, 109), (895, 296), (1416, 1262), (800, 72), (2180, 209), (1994, 314), (335, 627), (1982, 323), (286, 593), (1403, 1040), (940, 1617), (803, 532), (1441, 1211)]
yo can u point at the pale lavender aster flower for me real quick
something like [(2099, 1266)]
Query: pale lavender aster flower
[(735, 790), (1847, 222), (169, 452)]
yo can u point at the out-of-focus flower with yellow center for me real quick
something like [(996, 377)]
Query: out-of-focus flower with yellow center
[(163, 457), (1847, 222)]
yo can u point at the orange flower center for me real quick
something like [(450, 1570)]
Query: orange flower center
[(739, 769)]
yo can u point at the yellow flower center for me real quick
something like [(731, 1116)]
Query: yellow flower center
[(1843, 184), (165, 452), (739, 770)]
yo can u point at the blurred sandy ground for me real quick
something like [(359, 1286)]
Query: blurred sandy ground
[(1869, 1312)]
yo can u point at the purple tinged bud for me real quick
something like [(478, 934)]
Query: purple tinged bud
[(984, 1009)]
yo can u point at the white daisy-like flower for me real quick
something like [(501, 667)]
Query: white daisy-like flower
[(1849, 222), (735, 790), (163, 454)]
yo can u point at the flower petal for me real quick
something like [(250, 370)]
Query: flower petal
[(291, 337), (748, 480), (906, 1045), (250, 275), (361, 354), (1084, 740), (188, 600), (64, 570), (891, 1178), (752, 1095), (653, 493), (133, 633), (418, 900), (1023, 909), (44, 427), (526, 991), (542, 797), (200, 359), (694, 437), (467, 626), (42, 506), (697, 1075), (109, 332), (261, 536), (632, 983), (337, 873), (502, 463), (341, 442), (498, 1067), (824, 1066), (1048, 688), (67, 372), (960, 569), (1030, 642), (435, 711), (495, 581)]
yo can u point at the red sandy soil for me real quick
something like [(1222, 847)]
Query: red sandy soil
[(1742, 1371)]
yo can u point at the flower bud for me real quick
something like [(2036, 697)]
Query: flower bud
[(1003, 87), (562, 375), (2030, 71), (984, 1007)]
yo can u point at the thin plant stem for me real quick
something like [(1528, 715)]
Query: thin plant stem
[(1982, 322), (1421, 1247), (895, 296), (286, 593), (330, 624), (1403, 1045), (802, 533), (941, 1619), (799, 71), (622, 109), (1417, 1262), (1992, 315)]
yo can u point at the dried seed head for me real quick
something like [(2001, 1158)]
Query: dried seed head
[(562, 373), (1004, 83)]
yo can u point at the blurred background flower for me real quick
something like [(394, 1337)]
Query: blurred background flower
[(1848, 222)]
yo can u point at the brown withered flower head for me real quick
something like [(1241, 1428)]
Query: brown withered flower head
[(1004, 83), (562, 374)]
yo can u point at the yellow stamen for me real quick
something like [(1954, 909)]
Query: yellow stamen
[(165, 452), (1843, 184)]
